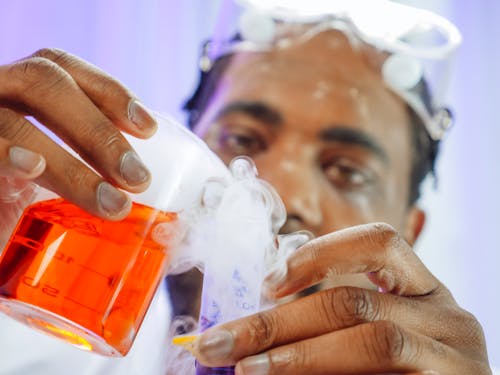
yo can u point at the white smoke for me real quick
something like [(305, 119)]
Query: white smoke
[(235, 242), (178, 360)]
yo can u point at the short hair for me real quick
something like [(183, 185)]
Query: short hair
[(424, 149)]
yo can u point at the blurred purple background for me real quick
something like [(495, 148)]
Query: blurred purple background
[(152, 46)]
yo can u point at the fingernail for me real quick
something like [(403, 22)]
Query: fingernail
[(133, 171), (276, 278), (256, 365), (140, 116), (215, 345), (25, 160), (430, 372), (112, 201)]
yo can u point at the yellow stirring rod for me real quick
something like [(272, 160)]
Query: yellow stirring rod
[(185, 341)]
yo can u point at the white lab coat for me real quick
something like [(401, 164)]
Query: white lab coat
[(24, 351)]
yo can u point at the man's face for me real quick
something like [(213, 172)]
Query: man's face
[(322, 128)]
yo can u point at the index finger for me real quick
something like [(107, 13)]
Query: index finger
[(49, 93), (376, 249), (118, 103)]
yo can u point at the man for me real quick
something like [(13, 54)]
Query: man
[(341, 148)]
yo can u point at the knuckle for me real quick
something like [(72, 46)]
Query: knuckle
[(314, 252), (385, 233), (102, 83), (11, 125), (75, 174), (102, 135), (60, 58), (108, 87), (361, 305), (107, 137), (456, 327), (330, 311), (469, 319), (21, 131), (52, 54), (473, 334), (62, 177), (346, 306), (101, 145), (35, 74), (16, 128), (263, 330), (386, 237), (387, 343), (36, 67)]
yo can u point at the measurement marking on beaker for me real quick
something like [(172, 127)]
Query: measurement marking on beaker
[(78, 303), (109, 278)]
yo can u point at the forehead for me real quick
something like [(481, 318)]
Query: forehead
[(328, 55), (325, 76)]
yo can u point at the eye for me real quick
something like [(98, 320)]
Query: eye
[(241, 142), (347, 174)]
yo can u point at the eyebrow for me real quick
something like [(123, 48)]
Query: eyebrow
[(335, 133), (347, 135), (258, 110)]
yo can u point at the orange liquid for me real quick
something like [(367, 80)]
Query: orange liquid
[(98, 274)]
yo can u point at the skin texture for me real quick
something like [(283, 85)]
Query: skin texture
[(325, 131)]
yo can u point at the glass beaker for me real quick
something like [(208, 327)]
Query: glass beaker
[(90, 281)]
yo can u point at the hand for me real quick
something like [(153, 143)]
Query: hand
[(411, 326), (86, 109)]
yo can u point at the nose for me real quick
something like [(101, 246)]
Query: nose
[(290, 168)]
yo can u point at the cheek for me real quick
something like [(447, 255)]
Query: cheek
[(342, 211), (388, 205), (307, 193), (394, 202)]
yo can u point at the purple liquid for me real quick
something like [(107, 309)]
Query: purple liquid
[(202, 370)]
